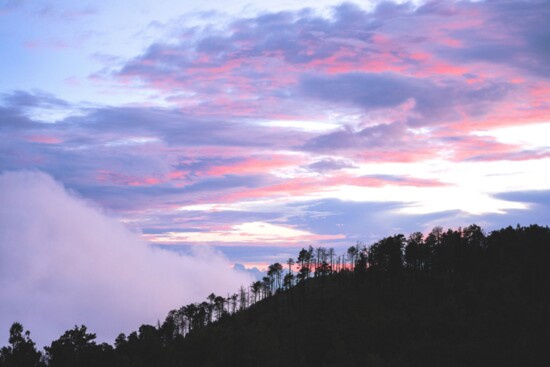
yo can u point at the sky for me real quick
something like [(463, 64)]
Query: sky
[(256, 128)]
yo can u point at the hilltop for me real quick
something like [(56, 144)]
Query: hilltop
[(454, 298)]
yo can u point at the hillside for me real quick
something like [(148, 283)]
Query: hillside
[(455, 298), (400, 320)]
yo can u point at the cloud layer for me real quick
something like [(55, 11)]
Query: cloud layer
[(276, 128), (63, 261)]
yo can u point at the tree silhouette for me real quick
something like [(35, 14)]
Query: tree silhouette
[(415, 252), (256, 289), (433, 243), (274, 272), (22, 351), (267, 283), (305, 258), (290, 262), (219, 305), (288, 281), (76, 347), (352, 252), (202, 313), (387, 254), (233, 300), (211, 298), (244, 298), (330, 254)]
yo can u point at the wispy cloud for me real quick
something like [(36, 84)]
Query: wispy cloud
[(405, 109)]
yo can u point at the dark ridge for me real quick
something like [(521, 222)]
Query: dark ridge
[(454, 298)]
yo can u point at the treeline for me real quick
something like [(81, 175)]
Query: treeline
[(417, 272)]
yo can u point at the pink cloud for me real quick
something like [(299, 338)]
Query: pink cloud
[(45, 139), (255, 165), (397, 84), (126, 180), (251, 232), (289, 188), (310, 186)]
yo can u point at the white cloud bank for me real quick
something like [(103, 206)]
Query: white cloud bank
[(64, 262)]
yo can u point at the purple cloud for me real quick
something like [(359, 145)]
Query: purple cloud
[(259, 136), (289, 107), (433, 101), (330, 164), (514, 33), (386, 135)]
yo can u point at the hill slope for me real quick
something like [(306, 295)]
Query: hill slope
[(456, 298), (403, 320)]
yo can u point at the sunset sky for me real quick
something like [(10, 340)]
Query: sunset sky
[(259, 128)]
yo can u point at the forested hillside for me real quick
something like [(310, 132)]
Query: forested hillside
[(452, 298)]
